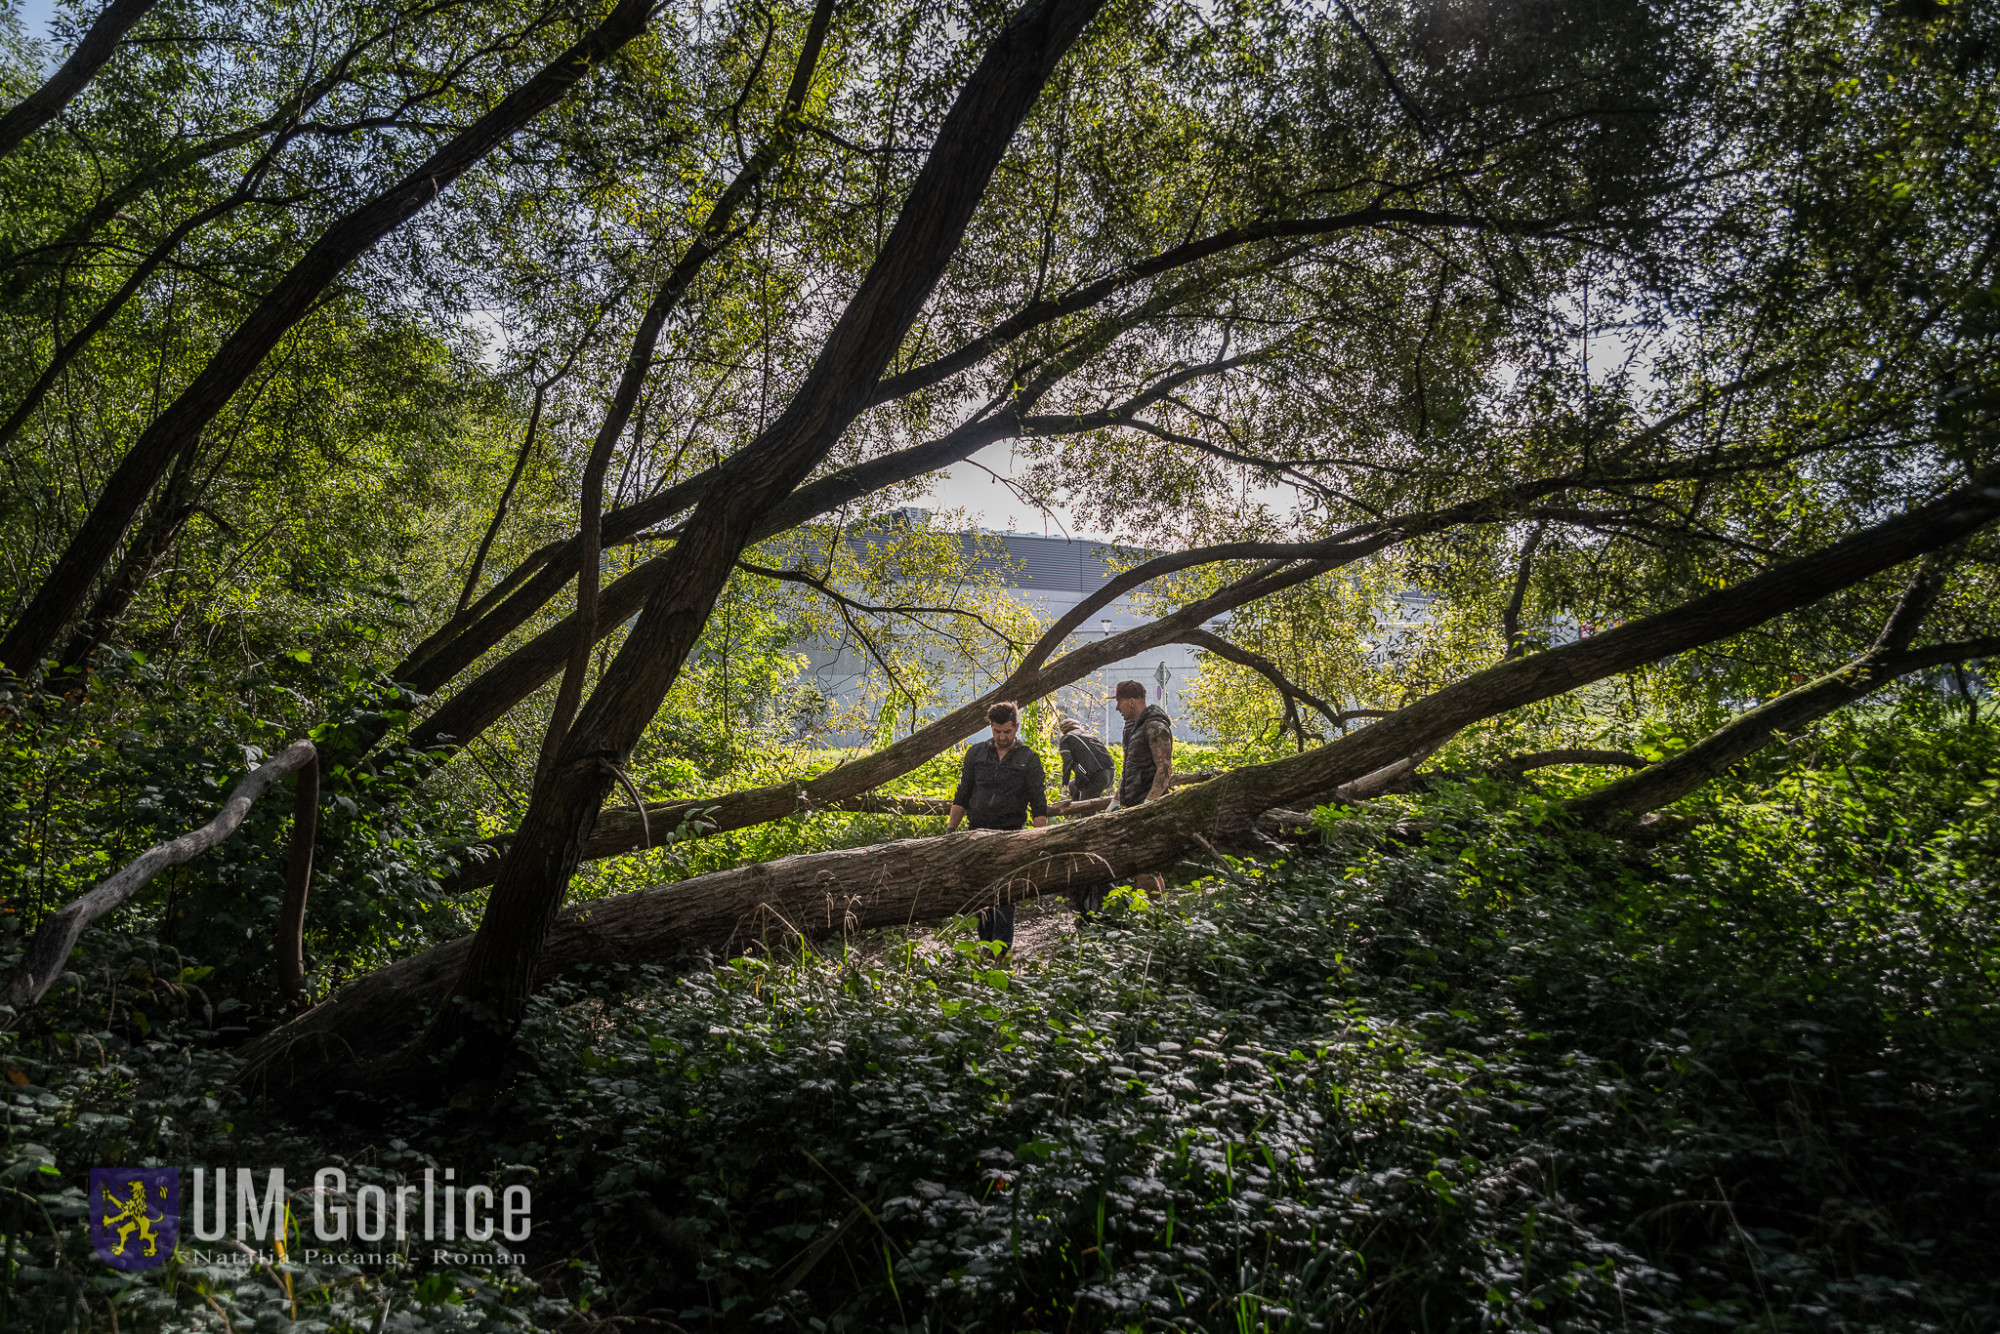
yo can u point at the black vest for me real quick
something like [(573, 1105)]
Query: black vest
[(1139, 767)]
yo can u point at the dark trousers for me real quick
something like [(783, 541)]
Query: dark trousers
[(1087, 899), (997, 922), (1084, 786)]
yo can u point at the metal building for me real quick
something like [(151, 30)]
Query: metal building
[(1051, 575)]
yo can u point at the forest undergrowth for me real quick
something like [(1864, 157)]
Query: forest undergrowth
[(1458, 1066)]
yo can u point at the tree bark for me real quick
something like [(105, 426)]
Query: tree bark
[(63, 591), (491, 994), (50, 949), (298, 884), (46, 102), (922, 879)]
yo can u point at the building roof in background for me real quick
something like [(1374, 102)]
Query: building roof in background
[(1032, 561), (1053, 563)]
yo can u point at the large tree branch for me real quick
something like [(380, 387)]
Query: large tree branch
[(1715, 754), (46, 102), (43, 960)]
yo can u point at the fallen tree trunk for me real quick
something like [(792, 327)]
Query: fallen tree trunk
[(46, 954), (924, 879)]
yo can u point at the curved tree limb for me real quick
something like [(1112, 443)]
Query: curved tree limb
[(1516, 765), (1712, 756), (46, 102), (50, 949), (1715, 754), (1289, 693)]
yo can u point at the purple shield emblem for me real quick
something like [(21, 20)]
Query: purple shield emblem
[(135, 1215)]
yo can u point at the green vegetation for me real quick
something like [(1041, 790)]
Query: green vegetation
[(1456, 1064)]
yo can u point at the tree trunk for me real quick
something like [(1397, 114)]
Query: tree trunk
[(46, 102), (923, 879), (298, 884), (62, 593), (492, 993)]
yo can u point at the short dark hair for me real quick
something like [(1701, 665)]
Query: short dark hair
[(1129, 690), (1002, 713)]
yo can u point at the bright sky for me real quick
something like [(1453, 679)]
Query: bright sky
[(35, 15), (989, 504)]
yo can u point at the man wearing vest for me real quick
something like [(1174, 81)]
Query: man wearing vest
[(1000, 782), (1149, 771), (1149, 746), (1086, 757)]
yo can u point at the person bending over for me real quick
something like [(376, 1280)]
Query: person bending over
[(1088, 759), (999, 784)]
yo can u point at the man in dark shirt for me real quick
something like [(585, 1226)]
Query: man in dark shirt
[(1087, 758), (1000, 782)]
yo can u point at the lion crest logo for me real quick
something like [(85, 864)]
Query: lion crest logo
[(135, 1215)]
